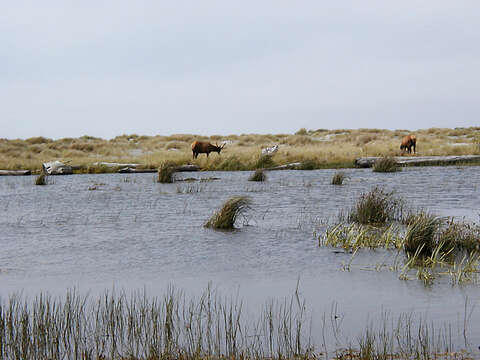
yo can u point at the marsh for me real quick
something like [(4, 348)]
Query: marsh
[(135, 233)]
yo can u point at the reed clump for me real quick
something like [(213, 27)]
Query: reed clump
[(338, 178), (386, 164), (41, 179), (225, 218), (166, 172), (420, 236), (427, 233), (258, 175), (376, 208)]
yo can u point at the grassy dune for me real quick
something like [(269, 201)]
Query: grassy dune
[(318, 148)]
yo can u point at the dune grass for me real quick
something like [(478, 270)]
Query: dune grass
[(224, 219), (316, 148)]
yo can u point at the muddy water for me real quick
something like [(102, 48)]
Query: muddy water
[(113, 231)]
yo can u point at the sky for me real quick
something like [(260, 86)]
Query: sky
[(107, 68)]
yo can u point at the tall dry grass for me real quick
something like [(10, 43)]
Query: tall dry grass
[(323, 148)]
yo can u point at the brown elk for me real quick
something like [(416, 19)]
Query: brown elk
[(202, 147), (408, 142)]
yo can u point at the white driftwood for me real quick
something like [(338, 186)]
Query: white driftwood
[(57, 168), (15, 172), (270, 150), (420, 160)]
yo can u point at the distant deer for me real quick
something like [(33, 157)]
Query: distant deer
[(202, 147), (408, 142)]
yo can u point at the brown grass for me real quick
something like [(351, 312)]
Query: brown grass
[(324, 148)]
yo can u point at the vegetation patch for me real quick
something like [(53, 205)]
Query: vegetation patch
[(41, 179), (376, 208), (338, 178), (386, 164), (420, 236), (432, 246), (166, 172), (225, 218), (258, 175), (356, 236)]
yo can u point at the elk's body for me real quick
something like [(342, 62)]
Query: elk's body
[(202, 147), (408, 142)]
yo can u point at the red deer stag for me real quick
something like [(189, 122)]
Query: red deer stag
[(202, 147), (408, 142)]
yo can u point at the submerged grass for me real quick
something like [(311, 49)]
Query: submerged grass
[(355, 236), (225, 218)]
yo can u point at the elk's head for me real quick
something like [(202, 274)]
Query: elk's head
[(219, 148)]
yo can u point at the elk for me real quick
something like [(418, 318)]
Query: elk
[(202, 147), (408, 142)]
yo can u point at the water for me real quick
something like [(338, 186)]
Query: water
[(132, 233)]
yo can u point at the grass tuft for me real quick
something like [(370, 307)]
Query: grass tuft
[(258, 175), (376, 208), (420, 236), (386, 164), (225, 218), (41, 179), (166, 172), (338, 178)]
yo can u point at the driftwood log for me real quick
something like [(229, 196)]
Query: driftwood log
[(57, 168), (15, 172), (420, 160), (285, 167), (180, 168), (115, 165)]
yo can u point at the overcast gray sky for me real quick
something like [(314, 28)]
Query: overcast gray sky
[(106, 68)]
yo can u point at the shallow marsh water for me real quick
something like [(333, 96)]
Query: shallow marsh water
[(96, 233)]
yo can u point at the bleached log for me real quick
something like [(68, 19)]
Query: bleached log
[(57, 168), (114, 165), (129, 170), (285, 167), (420, 160), (270, 150), (180, 168), (15, 172)]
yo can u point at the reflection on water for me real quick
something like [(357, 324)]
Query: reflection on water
[(131, 232)]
